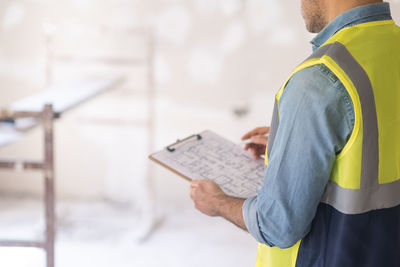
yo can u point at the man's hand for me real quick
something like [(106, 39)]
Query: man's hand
[(259, 140), (212, 201), (207, 196)]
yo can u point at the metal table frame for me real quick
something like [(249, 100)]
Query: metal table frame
[(46, 117), (46, 166)]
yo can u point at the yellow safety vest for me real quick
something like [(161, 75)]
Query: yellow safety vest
[(358, 220)]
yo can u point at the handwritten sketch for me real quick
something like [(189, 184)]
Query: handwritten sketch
[(217, 159)]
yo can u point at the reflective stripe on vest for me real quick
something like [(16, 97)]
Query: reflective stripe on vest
[(346, 192)]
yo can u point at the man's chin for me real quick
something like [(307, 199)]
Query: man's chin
[(315, 27)]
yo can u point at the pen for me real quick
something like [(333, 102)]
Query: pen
[(245, 142), (248, 141)]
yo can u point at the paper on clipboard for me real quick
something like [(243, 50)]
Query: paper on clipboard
[(210, 156)]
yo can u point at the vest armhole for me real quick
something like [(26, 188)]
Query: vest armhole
[(349, 86)]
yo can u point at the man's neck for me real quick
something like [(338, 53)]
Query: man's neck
[(335, 8)]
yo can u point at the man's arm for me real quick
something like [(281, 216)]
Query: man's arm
[(316, 119), (212, 201)]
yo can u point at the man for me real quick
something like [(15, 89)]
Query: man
[(331, 192)]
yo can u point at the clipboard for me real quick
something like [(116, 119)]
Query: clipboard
[(207, 155), (171, 149)]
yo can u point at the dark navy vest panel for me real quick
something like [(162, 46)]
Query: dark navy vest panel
[(370, 239)]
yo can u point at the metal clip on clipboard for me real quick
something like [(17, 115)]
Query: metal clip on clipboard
[(170, 147)]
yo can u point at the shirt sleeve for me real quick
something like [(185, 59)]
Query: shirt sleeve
[(316, 120)]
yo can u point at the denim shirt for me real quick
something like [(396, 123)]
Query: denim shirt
[(316, 120)]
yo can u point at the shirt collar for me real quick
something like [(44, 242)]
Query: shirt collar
[(357, 15)]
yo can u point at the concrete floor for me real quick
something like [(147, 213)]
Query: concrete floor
[(103, 234)]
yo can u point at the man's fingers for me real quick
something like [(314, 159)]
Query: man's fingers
[(259, 139), (256, 155), (194, 183), (193, 190), (251, 133), (260, 148), (256, 131), (257, 149), (193, 187)]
